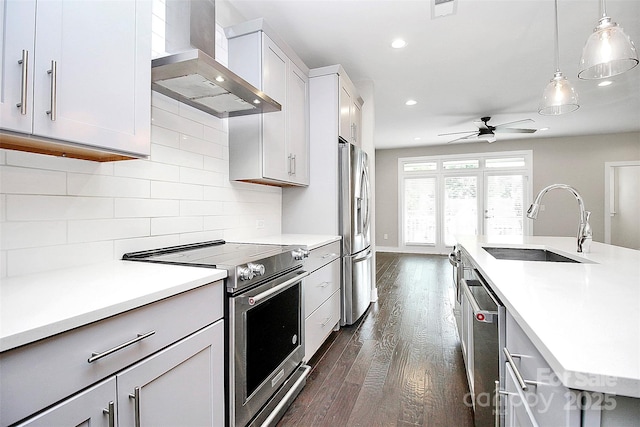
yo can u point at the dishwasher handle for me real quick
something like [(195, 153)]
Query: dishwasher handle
[(484, 316)]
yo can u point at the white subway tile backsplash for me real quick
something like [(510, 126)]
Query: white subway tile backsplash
[(177, 191), (175, 156), (106, 186), (47, 258), (26, 234), (59, 212), (94, 230), (147, 170), (140, 208), (201, 146), (200, 208), (51, 208), (176, 225), (199, 176), (16, 180), (164, 136)]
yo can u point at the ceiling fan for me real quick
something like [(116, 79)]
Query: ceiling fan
[(486, 132)]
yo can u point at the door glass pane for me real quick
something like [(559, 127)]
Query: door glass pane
[(420, 211), (504, 213), (460, 207)]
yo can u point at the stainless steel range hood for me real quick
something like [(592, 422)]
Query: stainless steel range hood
[(190, 72)]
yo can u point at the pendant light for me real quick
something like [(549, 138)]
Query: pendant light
[(608, 51), (558, 97)]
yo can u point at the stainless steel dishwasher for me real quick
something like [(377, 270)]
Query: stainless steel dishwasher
[(488, 332)]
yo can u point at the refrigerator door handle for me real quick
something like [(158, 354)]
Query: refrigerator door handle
[(368, 255)]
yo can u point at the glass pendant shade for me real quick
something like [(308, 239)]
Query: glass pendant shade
[(608, 52), (558, 97)]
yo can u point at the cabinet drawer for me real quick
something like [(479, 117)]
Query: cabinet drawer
[(39, 374), (550, 401), (322, 256), (320, 285), (320, 323)]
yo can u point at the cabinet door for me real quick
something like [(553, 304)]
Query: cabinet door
[(182, 385), (275, 160), (17, 29), (88, 408), (297, 125), (517, 411), (345, 113), (356, 124), (100, 92)]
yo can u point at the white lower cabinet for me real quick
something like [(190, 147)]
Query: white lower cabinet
[(179, 386), (154, 363), (92, 407), (546, 401), (321, 296)]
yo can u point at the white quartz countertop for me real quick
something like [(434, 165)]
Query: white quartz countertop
[(583, 318), (37, 306), (311, 241)]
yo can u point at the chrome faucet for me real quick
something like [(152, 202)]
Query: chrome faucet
[(584, 229)]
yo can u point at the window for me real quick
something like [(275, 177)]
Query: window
[(445, 196)]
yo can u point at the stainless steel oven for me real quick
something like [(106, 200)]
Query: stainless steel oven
[(264, 327), (266, 333)]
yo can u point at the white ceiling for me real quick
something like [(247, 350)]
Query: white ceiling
[(491, 58)]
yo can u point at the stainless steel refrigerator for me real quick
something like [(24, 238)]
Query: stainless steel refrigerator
[(355, 228)]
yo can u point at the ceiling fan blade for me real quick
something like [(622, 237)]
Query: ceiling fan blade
[(458, 133), (501, 125), (481, 124), (464, 137), (514, 130)]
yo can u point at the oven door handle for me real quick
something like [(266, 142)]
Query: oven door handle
[(262, 295), (484, 316)]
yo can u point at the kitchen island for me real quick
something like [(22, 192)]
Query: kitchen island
[(583, 318)]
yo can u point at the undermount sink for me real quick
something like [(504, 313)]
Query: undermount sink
[(528, 254)]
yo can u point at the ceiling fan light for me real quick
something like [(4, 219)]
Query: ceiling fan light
[(608, 52), (559, 97)]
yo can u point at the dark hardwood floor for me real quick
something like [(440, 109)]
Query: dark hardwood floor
[(400, 365)]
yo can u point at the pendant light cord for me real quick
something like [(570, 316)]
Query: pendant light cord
[(557, 51), (603, 9)]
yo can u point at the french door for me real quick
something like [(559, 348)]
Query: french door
[(438, 204)]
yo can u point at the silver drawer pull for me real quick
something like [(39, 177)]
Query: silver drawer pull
[(140, 337), (53, 112), (24, 62), (111, 413), (324, 284), (136, 405), (521, 381), (332, 254)]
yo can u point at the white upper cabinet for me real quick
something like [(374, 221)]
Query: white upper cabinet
[(350, 112), (271, 148), (86, 74)]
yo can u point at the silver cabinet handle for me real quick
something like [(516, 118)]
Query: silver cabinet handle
[(293, 170), (324, 284), (111, 412), (496, 404), (140, 337), (136, 405), (332, 254), (521, 382), (53, 114), (255, 299), (24, 62)]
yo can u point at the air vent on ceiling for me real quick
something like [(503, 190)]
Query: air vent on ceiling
[(440, 8)]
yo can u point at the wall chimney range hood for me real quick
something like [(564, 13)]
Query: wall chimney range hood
[(190, 73)]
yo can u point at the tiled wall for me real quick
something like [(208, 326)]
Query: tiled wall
[(60, 212)]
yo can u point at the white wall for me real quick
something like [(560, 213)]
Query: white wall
[(58, 212)]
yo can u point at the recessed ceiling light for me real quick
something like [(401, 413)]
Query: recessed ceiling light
[(417, 138), (605, 83), (220, 79), (543, 129), (398, 44), (411, 102)]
